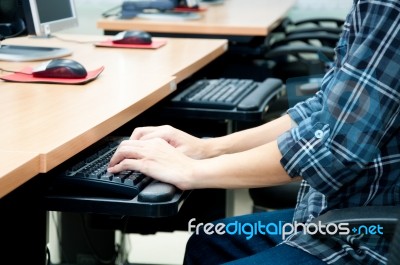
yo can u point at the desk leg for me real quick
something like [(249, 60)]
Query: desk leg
[(23, 231)]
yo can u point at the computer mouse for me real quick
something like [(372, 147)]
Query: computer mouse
[(60, 68), (132, 37)]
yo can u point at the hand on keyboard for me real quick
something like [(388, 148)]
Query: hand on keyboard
[(90, 177), (182, 141), (154, 157)]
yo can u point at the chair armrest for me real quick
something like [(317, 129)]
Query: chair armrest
[(385, 216)]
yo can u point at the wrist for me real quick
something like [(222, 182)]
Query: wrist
[(212, 147), (197, 179), (191, 178)]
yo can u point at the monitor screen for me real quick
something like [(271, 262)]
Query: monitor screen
[(34, 17), (44, 17)]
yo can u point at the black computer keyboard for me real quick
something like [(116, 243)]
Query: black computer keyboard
[(89, 176), (240, 94)]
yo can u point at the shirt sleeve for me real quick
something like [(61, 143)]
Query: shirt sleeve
[(305, 109), (359, 106)]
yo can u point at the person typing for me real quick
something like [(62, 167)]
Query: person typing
[(342, 144)]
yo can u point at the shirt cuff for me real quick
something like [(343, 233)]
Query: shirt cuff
[(306, 153), (305, 109)]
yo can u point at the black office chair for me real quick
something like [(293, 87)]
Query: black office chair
[(301, 48), (292, 49), (289, 27), (329, 25), (301, 54), (326, 30), (289, 61), (387, 217)]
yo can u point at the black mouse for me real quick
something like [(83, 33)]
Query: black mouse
[(132, 37), (60, 68)]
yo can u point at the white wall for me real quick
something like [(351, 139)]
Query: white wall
[(323, 4), (320, 8), (89, 11)]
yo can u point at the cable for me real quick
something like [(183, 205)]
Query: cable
[(21, 31), (122, 254), (108, 13), (73, 41)]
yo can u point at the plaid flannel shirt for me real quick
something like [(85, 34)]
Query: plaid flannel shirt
[(346, 146)]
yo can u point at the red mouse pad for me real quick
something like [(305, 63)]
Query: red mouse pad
[(25, 76), (190, 9), (155, 44)]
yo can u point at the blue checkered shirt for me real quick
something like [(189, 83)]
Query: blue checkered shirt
[(346, 146)]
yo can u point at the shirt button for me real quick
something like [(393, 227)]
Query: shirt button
[(319, 134)]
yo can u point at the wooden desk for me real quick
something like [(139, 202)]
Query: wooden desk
[(58, 121), (180, 57), (16, 168), (43, 125), (233, 18)]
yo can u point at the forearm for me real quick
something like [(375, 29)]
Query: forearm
[(232, 170), (247, 139)]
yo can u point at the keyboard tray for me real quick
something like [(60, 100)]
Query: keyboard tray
[(251, 108), (72, 188), (115, 206)]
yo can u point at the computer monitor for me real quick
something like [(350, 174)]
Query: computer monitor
[(38, 18), (44, 16)]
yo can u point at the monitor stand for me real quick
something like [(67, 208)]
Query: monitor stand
[(21, 53)]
